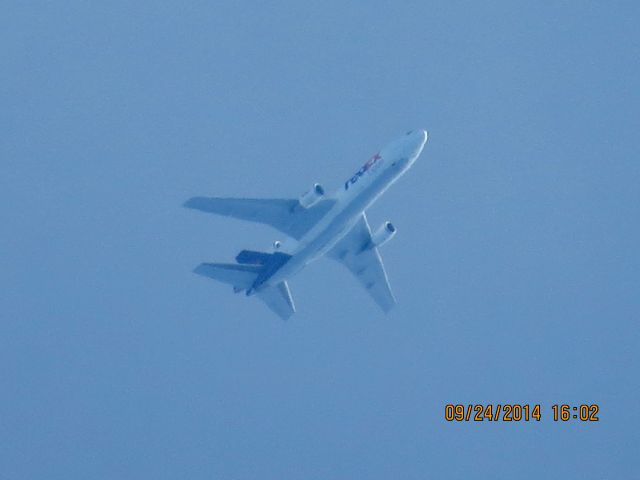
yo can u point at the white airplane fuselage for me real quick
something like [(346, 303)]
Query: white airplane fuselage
[(352, 199)]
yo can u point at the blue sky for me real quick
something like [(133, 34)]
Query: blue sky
[(515, 264)]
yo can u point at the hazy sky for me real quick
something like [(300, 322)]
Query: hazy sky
[(515, 265)]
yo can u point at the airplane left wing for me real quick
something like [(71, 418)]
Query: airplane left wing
[(365, 263), (284, 215)]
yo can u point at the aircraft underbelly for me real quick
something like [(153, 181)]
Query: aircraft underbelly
[(330, 231)]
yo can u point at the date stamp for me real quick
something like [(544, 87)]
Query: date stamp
[(519, 412)]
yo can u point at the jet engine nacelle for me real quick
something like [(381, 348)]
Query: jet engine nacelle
[(383, 234), (312, 197)]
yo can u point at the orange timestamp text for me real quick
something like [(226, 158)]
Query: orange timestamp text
[(518, 412)]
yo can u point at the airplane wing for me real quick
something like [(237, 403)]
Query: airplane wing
[(365, 263), (284, 215)]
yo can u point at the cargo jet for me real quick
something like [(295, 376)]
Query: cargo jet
[(316, 225)]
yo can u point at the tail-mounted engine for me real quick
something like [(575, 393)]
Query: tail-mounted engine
[(383, 234), (312, 197)]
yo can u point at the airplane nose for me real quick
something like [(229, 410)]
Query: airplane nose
[(416, 141)]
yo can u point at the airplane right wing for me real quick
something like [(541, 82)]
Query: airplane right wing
[(284, 215), (365, 263)]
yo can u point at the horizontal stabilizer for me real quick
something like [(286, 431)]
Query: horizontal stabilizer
[(279, 300), (240, 276)]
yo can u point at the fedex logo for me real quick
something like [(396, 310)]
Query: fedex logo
[(370, 163)]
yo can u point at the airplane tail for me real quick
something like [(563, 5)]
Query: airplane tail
[(243, 274), (252, 257)]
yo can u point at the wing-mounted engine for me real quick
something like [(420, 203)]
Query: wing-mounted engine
[(383, 234), (313, 196)]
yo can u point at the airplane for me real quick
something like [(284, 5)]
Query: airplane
[(316, 225)]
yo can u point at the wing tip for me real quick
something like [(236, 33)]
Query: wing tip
[(199, 269), (191, 202)]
